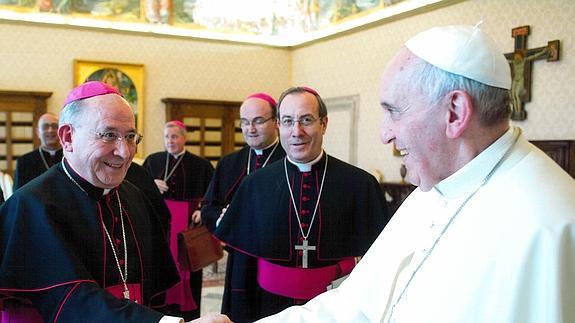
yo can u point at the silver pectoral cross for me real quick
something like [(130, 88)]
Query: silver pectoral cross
[(126, 294), (304, 247)]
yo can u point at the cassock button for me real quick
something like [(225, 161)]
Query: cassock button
[(118, 241), (122, 262), (115, 219), (305, 198), (300, 239), (304, 225), (299, 252)]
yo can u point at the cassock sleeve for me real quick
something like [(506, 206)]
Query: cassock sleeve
[(213, 202), (87, 302)]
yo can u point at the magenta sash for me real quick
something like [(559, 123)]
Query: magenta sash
[(300, 283), (23, 313), (181, 293)]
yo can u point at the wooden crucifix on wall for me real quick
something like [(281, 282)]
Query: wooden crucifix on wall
[(521, 62)]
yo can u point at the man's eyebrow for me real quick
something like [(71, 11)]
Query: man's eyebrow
[(388, 106)]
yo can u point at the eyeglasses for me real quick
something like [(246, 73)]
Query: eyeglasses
[(258, 121), (46, 126), (305, 121), (131, 138)]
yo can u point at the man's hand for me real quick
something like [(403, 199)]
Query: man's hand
[(197, 217), (212, 318), (162, 186)]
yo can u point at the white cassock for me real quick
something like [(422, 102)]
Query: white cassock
[(507, 256)]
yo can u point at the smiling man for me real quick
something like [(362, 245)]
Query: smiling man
[(304, 218), (36, 162), (260, 131), (79, 243), (489, 234)]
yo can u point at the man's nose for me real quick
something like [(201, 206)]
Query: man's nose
[(386, 133), (123, 148)]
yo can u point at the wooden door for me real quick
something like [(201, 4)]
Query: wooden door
[(19, 114)]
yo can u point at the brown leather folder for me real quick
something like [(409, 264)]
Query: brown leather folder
[(197, 248)]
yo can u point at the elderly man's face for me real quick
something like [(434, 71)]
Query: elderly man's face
[(258, 123), (48, 131), (302, 142), (174, 140), (416, 129), (103, 164)]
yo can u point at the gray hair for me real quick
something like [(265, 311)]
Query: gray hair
[(492, 103), (71, 113), (302, 89)]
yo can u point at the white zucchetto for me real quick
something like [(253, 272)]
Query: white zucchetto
[(465, 51)]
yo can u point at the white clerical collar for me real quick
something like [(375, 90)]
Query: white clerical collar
[(106, 191), (176, 156), (49, 151), (261, 151), (306, 167), (470, 176)]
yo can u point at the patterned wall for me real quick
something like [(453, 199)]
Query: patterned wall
[(352, 64), (40, 58)]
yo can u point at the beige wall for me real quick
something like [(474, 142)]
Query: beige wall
[(39, 58), (352, 64)]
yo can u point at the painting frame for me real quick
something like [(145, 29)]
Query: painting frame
[(85, 69)]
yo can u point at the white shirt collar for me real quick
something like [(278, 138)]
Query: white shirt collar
[(176, 156), (261, 151), (470, 176), (306, 167)]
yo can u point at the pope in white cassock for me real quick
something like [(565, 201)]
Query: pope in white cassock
[(489, 235)]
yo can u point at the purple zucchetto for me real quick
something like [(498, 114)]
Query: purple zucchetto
[(263, 96), (90, 89)]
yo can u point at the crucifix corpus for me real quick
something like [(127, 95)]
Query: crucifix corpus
[(304, 247), (521, 62)]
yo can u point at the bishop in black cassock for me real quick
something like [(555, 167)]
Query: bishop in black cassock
[(188, 182), (56, 254), (260, 131), (36, 162), (303, 218), (261, 222)]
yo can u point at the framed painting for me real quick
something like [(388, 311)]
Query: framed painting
[(127, 78)]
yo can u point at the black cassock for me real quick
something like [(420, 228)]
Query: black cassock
[(190, 179), (188, 182), (31, 165), (54, 250), (230, 172), (143, 180), (261, 222)]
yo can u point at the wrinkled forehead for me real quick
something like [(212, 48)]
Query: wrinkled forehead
[(395, 80), (108, 111)]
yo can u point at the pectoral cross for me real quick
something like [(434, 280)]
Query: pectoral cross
[(521, 62), (304, 247), (126, 294)]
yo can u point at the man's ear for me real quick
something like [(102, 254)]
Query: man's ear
[(65, 133), (459, 113), (323, 125)]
